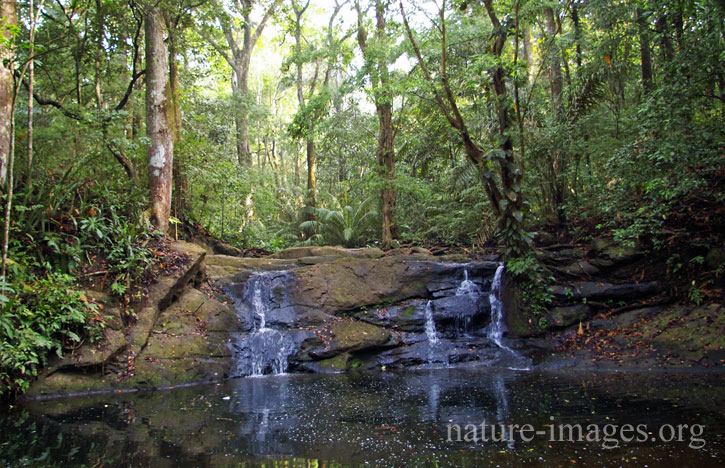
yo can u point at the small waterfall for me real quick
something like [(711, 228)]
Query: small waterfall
[(430, 326), (436, 348), (497, 327), (264, 350), (467, 287)]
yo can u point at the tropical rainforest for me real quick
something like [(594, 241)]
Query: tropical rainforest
[(262, 124)]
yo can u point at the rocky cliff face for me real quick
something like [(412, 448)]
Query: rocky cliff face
[(343, 312)]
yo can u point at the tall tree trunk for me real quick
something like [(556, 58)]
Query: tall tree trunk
[(644, 50), (8, 21), (385, 152), (241, 116), (159, 120), (557, 159), (311, 199), (311, 173), (238, 56), (180, 179), (663, 32), (297, 166), (554, 60), (31, 84), (386, 161), (577, 33)]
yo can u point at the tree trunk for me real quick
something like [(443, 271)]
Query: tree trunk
[(511, 221), (241, 117), (644, 50), (159, 120), (554, 60), (385, 152), (577, 33), (9, 19), (311, 174), (557, 159), (386, 161), (31, 84), (180, 179)]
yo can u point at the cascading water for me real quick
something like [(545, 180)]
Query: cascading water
[(430, 326), (264, 350), (436, 350), (467, 287), (497, 327)]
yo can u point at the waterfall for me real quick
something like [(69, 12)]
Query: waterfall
[(264, 350), (436, 348), (430, 326), (465, 288), (497, 327)]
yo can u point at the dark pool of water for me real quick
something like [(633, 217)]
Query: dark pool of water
[(383, 419)]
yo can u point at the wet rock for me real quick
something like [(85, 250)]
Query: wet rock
[(449, 313), (331, 365), (419, 352)]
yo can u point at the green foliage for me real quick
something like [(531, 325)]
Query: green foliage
[(39, 317), (347, 226), (533, 281)]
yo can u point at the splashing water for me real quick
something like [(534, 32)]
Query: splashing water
[(467, 287), (430, 326), (497, 327), (266, 348)]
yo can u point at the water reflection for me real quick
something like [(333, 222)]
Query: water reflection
[(377, 419)]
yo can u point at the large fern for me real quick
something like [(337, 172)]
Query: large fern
[(346, 226)]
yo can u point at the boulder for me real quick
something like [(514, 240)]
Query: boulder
[(715, 258), (602, 291), (345, 336), (579, 268), (610, 253), (562, 317)]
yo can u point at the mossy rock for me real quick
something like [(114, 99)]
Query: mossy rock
[(171, 372), (562, 317), (345, 336)]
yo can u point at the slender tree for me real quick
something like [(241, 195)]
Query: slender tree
[(8, 21), (241, 37), (503, 189), (159, 119), (377, 62)]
